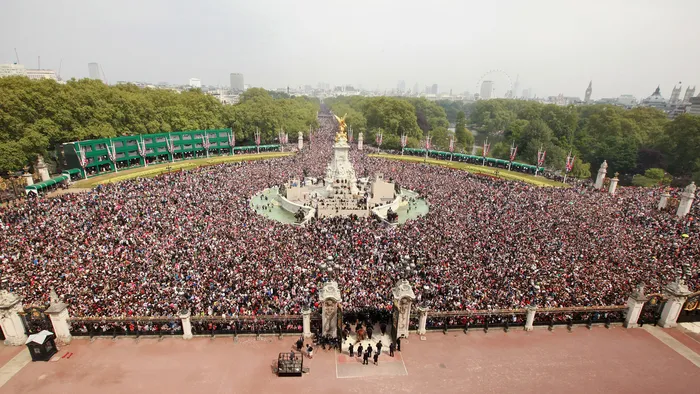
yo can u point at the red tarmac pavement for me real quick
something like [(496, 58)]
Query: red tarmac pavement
[(600, 360)]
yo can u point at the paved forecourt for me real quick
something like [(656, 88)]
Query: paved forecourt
[(583, 361)]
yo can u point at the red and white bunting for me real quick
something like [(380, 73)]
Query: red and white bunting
[(452, 144), (231, 139), (380, 138), (205, 141), (487, 148), (404, 140), (111, 152), (257, 137), (83, 159), (169, 145), (570, 162), (540, 157), (428, 145), (513, 152), (141, 148)]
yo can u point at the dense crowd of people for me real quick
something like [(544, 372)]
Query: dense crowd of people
[(191, 239)]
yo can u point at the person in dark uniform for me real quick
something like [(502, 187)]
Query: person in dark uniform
[(392, 347), (300, 343), (370, 349), (365, 358), (398, 344), (376, 358), (351, 349), (382, 327), (359, 351), (379, 346), (369, 332)]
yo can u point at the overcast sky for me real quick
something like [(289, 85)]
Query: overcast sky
[(554, 46)]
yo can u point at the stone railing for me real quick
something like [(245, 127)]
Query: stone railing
[(676, 303)]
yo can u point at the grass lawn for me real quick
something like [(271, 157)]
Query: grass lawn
[(157, 169), (497, 172)]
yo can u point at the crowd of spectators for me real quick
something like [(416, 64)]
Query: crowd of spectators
[(191, 240)]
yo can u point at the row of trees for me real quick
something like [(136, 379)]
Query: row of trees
[(35, 116), (631, 141), (394, 117)]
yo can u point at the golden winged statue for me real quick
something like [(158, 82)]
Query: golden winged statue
[(341, 134)]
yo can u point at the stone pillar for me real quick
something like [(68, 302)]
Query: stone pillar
[(423, 320), (677, 293), (613, 186), (42, 169), (186, 324), (530, 317), (28, 179), (10, 321), (360, 141), (330, 299), (663, 200), (403, 299), (301, 141), (635, 304), (687, 198), (306, 315), (601, 175), (58, 313)]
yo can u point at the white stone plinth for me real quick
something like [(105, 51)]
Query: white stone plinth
[(330, 298), (403, 299), (613, 186), (601, 175), (635, 304), (306, 319), (28, 179), (687, 198), (301, 141), (663, 200), (360, 141), (423, 320), (58, 313), (42, 169), (186, 324), (12, 326), (530, 318), (677, 293)]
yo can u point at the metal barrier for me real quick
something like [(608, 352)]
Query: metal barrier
[(241, 325), (143, 326)]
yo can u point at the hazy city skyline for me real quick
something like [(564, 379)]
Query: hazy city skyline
[(623, 47)]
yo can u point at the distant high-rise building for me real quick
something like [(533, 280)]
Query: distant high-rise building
[(237, 82), (94, 71), (416, 88), (516, 86), (10, 70), (434, 89), (675, 94), (486, 90), (588, 92), (688, 94), (527, 93), (195, 83), (401, 86)]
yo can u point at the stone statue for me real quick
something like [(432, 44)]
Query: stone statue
[(53, 296), (690, 189), (604, 165), (342, 134)]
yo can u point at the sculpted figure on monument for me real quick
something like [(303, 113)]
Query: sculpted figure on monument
[(342, 134)]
